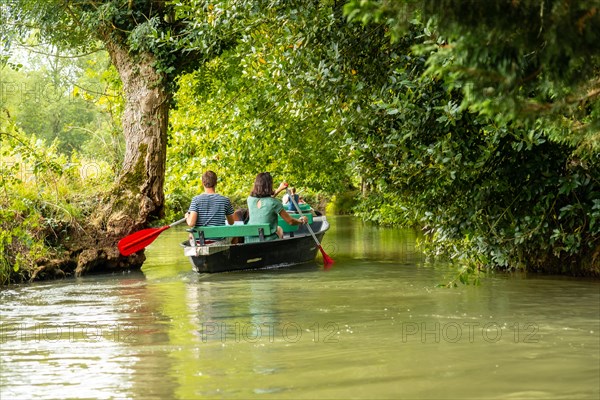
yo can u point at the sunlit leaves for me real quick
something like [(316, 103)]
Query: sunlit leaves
[(268, 103)]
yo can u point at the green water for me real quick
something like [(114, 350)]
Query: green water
[(373, 326)]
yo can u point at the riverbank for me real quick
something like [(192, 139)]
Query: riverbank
[(36, 248), (50, 226), (41, 240)]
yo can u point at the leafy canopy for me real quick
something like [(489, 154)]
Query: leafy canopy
[(513, 60)]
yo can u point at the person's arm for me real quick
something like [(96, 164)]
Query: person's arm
[(281, 188), (229, 212), (191, 217), (293, 221)]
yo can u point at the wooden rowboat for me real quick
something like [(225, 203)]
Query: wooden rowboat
[(296, 247)]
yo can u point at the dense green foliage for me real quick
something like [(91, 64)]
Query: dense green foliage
[(502, 170), (143, 26), (43, 194), (61, 144), (68, 100), (262, 106), (494, 186), (515, 61), (477, 121)]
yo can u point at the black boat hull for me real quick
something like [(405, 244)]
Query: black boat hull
[(300, 248)]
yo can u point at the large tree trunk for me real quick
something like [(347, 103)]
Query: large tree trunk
[(138, 197)]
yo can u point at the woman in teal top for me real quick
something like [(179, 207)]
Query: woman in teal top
[(264, 208)]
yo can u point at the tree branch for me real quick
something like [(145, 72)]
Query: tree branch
[(31, 49)]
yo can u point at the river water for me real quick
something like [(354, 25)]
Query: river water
[(375, 325)]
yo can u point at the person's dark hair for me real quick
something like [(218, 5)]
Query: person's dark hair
[(241, 214), (209, 179), (263, 185)]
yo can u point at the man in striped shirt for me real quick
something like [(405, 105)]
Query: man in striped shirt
[(209, 208)]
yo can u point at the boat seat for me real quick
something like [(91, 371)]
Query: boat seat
[(305, 208), (201, 233), (287, 228)]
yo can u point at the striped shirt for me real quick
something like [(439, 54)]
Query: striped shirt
[(211, 208)]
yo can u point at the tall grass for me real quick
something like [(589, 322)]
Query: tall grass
[(42, 194)]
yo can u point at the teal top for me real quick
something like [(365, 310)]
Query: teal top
[(265, 214)]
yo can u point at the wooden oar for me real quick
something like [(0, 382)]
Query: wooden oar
[(326, 259), (139, 240)]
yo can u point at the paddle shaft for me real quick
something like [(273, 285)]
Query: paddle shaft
[(156, 233), (326, 259), (177, 222), (291, 196)]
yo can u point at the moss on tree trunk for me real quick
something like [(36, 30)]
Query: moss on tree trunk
[(137, 197)]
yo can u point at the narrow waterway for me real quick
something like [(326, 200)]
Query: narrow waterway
[(375, 325)]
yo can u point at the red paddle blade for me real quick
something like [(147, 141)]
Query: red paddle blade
[(326, 259), (139, 240)]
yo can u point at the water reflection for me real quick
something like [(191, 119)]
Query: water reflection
[(349, 237), (373, 326), (73, 339)]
